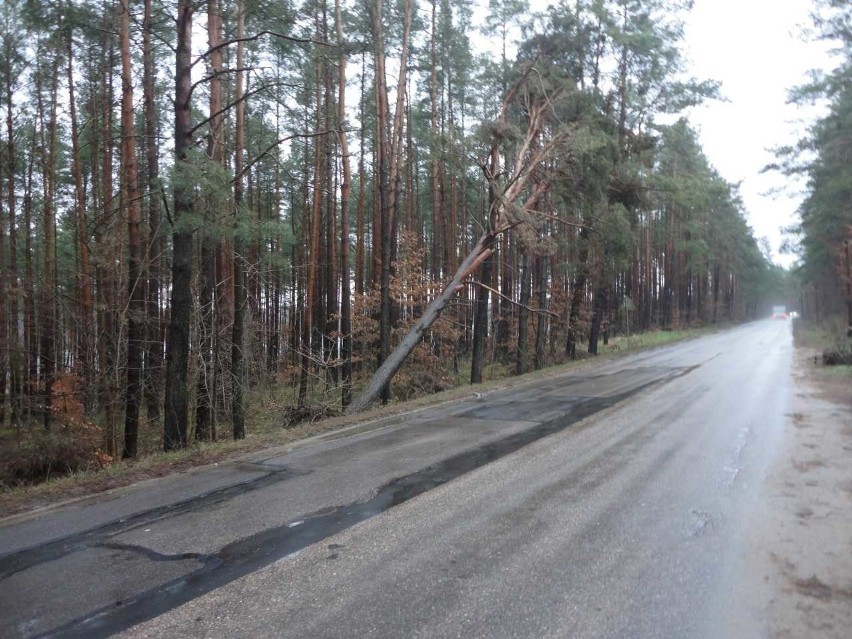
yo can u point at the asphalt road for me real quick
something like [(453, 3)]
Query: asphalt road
[(613, 501)]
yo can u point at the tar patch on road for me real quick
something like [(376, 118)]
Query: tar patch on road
[(253, 553)]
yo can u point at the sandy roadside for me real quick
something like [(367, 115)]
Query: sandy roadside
[(802, 546)]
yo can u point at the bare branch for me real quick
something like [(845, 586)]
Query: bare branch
[(233, 103), (255, 37), (543, 311), (207, 78), (562, 221), (263, 153)]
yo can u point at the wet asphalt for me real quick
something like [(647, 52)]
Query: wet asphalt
[(612, 501)]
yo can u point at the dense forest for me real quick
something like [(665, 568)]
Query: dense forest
[(205, 198), (824, 159)]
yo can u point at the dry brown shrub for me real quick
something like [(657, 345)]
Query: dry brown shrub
[(428, 368), (34, 454)]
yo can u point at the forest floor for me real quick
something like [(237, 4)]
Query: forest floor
[(800, 571), (265, 429)]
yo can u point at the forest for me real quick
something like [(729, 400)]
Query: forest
[(823, 161), (336, 203)]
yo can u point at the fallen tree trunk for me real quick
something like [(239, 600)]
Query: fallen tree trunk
[(392, 363), (502, 196)]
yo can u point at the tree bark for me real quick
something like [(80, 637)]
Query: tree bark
[(136, 294), (541, 322), (105, 236), (240, 294), (480, 321), (205, 413), (577, 295), (523, 315), (85, 319), (390, 158), (312, 297), (177, 354), (30, 331), (154, 343), (47, 354), (14, 340), (345, 189), (5, 347), (597, 318)]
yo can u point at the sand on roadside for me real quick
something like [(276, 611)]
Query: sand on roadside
[(801, 549)]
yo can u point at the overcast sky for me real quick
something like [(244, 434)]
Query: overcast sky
[(754, 48)]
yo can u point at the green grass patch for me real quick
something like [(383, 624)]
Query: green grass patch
[(835, 372), (828, 335), (653, 339)]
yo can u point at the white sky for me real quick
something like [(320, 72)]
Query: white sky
[(754, 48)]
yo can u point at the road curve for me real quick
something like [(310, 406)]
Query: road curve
[(613, 501)]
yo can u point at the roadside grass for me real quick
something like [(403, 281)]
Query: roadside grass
[(266, 428), (836, 372), (830, 334), (815, 339)]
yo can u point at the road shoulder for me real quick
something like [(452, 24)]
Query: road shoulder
[(802, 543)]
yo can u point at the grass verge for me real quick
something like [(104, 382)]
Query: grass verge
[(833, 382)]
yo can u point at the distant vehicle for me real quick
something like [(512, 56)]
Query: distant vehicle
[(779, 312)]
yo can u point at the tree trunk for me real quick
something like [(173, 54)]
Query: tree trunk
[(136, 294), (360, 249), (177, 354), (597, 319), (390, 153), (332, 310), (345, 189), (156, 244), (435, 172), (577, 295), (5, 347), (541, 323), (15, 343), (384, 210), (205, 413), (480, 321), (523, 315), (85, 319), (47, 354), (30, 329), (106, 236), (312, 298), (240, 294)]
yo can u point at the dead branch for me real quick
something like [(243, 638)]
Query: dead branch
[(287, 138), (231, 105), (542, 311), (257, 36), (562, 221)]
